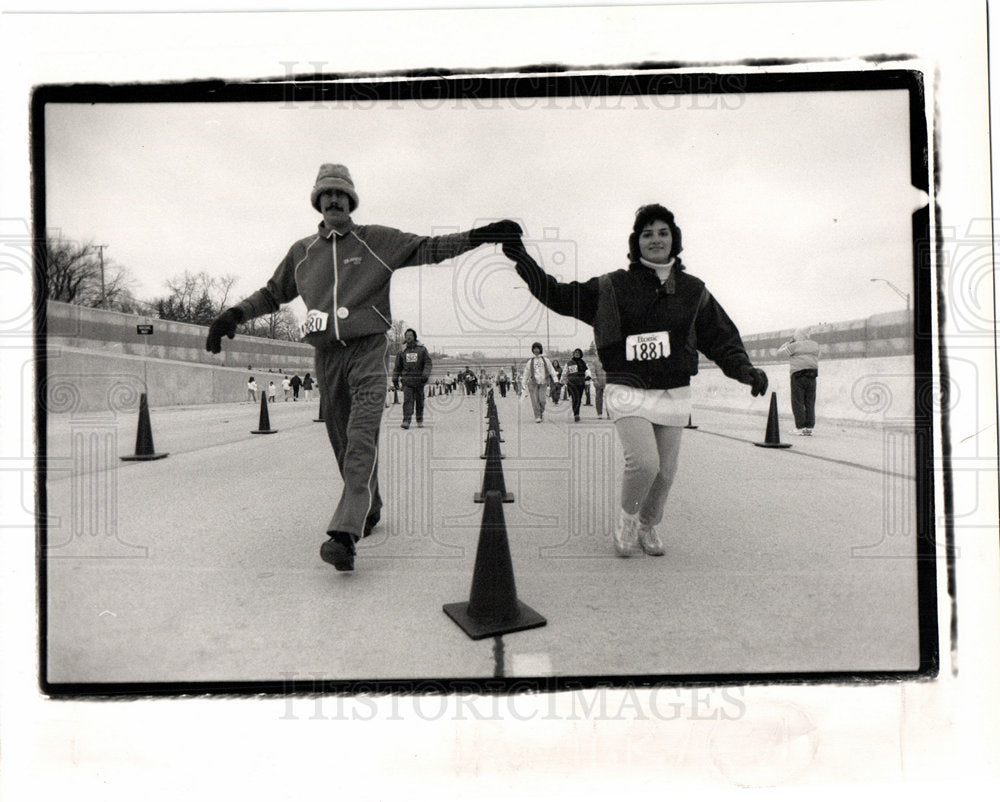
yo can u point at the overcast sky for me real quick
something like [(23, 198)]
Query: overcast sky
[(789, 203)]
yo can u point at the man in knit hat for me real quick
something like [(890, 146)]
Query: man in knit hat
[(342, 273)]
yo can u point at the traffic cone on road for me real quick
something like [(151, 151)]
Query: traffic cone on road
[(264, 426), (494, 426), (144, 436), (689, 424), (772, 438), (493, 475), (492, 434), (493, 607)]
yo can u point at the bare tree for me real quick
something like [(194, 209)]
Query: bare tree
[(396, 336), (280, 325), (194, 297), (80, 273)]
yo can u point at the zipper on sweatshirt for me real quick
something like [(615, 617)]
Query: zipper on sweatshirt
[(336, 307)]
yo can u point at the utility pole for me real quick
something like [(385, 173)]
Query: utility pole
[(100, 253)]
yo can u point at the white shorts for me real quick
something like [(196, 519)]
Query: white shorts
[(663, 407)]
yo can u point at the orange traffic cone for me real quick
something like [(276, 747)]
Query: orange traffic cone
[(144, 436), (493, 475), (493, 607), (264, 426), (689, 424), (771, 437)]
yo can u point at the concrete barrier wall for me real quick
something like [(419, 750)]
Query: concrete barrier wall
[(889, 334), (97, 382), (878, 390), (97, 363), (875, 391), (115, 333)]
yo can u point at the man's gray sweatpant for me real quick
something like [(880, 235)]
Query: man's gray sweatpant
[(353, 380)]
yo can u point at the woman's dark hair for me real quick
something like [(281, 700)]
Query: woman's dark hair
[(645, 215), (538, 346), (577, 351), (414, 333)]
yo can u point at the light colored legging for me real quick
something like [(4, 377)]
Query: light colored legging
[(651, 453), (537, 393)]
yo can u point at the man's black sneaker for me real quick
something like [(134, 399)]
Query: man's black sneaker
[(371, 522), (339, 551)]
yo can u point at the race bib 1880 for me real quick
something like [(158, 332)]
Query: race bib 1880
[(315, 321), (651, 345)]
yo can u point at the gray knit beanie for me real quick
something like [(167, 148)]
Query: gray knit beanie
[(334, 176)]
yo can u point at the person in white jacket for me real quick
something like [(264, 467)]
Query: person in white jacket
[(536, 378), (802, 354)]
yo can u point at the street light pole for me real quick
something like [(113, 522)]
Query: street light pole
[(904, 295), (100, 254)]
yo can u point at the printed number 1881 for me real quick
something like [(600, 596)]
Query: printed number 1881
[(652, 350)]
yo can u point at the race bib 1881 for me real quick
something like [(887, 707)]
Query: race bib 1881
[(651, 345)]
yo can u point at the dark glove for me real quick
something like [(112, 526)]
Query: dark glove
[(225, 323), (514, 250), (756, 378), (500, 232)]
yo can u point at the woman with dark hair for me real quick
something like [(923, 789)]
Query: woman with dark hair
[(650, 321), (575, 375), (536, 378)]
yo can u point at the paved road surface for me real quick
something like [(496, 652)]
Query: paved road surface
[(205, 566)]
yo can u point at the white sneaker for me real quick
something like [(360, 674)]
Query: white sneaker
[(807, 432), (649, 540), (627, 535)]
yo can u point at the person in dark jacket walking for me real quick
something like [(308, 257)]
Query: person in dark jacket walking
[(575, 375), (556, 390), (412, 370), (342, 273), (296, 383), (503, 382), (650, 321), (468, 378)]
